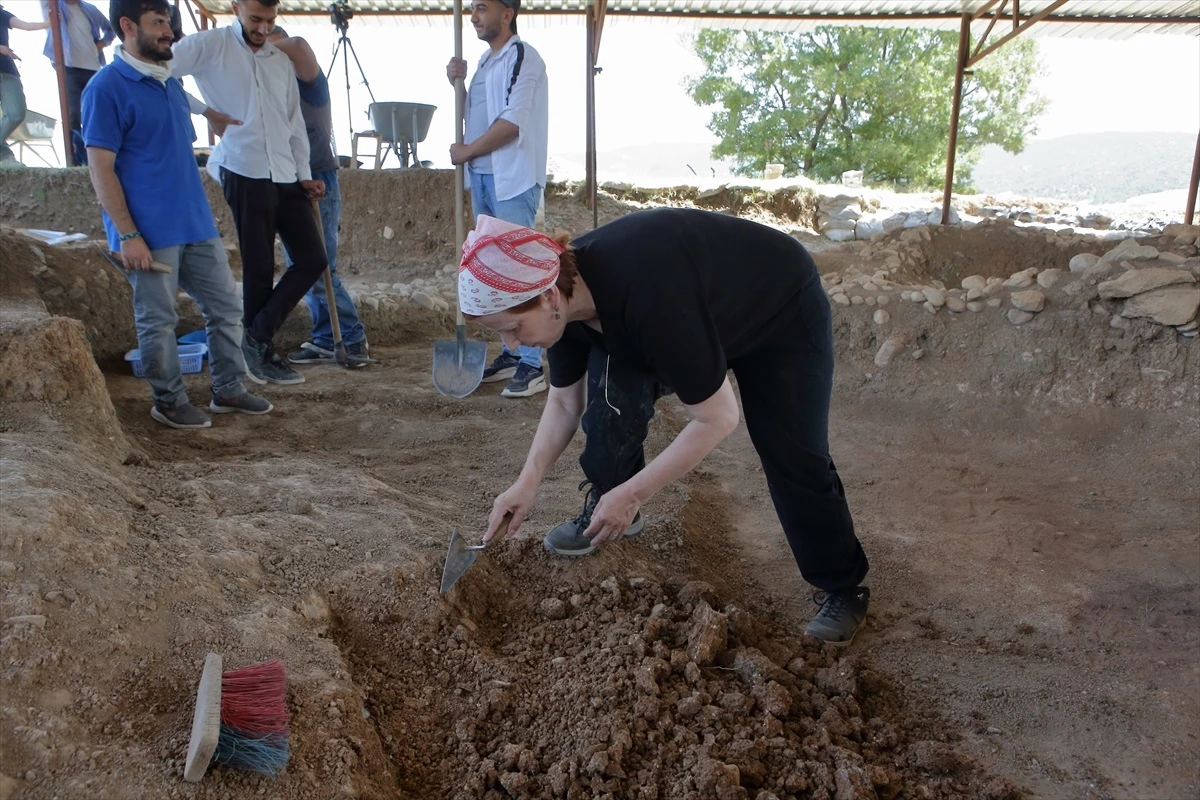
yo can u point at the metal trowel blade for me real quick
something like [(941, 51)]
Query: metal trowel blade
[(459, 559)]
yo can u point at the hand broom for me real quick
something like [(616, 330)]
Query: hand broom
[(241, 719)]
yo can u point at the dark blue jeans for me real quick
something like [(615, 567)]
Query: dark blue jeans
[(785, 389)]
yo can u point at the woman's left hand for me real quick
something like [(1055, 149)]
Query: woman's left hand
[(612, 516)]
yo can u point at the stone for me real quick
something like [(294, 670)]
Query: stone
[(994, 302), (975, 306), (1137, 281), (706, 638), (1031, 300), (841, 299), (955, 305), (1020, 280), (1129, 249), (1172, 258), (856, 300), (936, 297), (882, 317), (1117, 321), (930, 307), (869, 300), (388, 233), (883, 299), (1191, 326), (424, 301), (976, 282), (1171, 305), (1082, 261), (887, 351), (1018, 317), (1048, 277), (553, 608)]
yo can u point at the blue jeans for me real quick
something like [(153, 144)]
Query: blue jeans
[(322, 330), (519, 210), (202, 270), (12, 111)]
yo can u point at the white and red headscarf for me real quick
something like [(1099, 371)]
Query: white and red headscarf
[(503, 265)]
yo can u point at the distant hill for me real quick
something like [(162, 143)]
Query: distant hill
[(1090, 167)]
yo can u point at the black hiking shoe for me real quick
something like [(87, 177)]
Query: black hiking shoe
[(841, 615), (503, 367), (567, 539)]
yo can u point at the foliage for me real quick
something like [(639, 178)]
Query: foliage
[(875, 99)]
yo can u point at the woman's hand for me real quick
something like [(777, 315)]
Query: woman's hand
[(516, 501), (613, 515)]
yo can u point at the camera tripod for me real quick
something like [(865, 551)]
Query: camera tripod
[(346, 47)]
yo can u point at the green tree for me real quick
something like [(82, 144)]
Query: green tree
[(875, 99)]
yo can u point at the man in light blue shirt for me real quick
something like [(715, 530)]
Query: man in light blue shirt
[(85, 33)]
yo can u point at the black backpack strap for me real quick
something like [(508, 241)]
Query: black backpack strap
[(516, 70)]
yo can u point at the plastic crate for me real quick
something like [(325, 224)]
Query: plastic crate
[(191, 359), (195, 337)]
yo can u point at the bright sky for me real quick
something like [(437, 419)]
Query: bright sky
[(1147, 83)]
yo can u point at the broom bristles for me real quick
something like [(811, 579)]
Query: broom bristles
[(254, 699), (254, 718)]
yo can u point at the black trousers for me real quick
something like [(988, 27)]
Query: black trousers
[(77, 81), (262, 209), (785, 389)]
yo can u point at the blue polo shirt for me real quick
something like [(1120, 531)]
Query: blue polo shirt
[(148, 125)]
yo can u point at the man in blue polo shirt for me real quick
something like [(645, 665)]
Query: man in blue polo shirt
[(139, 135)]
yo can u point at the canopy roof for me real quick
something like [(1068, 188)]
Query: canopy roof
[(1095, 18)]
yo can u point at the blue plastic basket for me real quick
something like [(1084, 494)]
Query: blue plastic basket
[(195, 337), (191, 359)]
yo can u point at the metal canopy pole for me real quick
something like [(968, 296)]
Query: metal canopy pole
[(1189, 214), (590, 155), (964, 45), (60, 69)]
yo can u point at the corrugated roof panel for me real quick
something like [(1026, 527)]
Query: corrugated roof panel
[(1178, 16)]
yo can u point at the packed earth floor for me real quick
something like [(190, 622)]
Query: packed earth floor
[(1035, 574)]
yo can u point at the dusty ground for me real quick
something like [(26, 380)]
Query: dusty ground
[(1035, 550)]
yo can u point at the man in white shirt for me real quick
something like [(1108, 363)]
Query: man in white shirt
[(85, 31), (263, 167), (507, 117)]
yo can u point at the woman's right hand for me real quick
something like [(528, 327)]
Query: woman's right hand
[(516, 501)]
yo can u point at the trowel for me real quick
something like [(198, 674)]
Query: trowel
[(460, 556)]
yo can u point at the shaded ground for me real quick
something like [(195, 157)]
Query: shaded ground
[(1035, 569)]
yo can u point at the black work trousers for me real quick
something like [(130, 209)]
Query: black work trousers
[(261, 209), (785, 388)]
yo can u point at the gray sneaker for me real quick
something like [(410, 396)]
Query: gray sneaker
[(567, 539), (244, 403), (841, 615), (275, 370), (359, 353), (184, 416), (310, 353), (255, 354)]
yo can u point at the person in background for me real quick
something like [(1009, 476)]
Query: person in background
[(85, 33), (12, 93), (139, 137), (505, 143), (262, 166), (318, 120)]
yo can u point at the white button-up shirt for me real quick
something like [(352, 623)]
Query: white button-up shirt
[(525, 102), (257, 87)]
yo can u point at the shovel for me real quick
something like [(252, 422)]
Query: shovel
[(461, 555), (115, 260), (340, 354), (458, 364)]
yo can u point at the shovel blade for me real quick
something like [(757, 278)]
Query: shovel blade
[(458, 366), (458, 561)]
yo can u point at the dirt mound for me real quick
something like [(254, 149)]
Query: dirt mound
[(628, 687)]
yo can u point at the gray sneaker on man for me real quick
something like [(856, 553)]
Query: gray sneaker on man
[(255, 354), (184, 416), (244, 403), (310, 353), (841, 615), (567, 539), (276, 371)]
